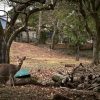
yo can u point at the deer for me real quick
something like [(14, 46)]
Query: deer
[(8, 71)]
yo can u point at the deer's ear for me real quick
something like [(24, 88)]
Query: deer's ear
[(24, 57)]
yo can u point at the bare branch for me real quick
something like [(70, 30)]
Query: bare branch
[(19, 9), (13, 36), (28, 1), (83, 13), (17, 31), (47, 7)]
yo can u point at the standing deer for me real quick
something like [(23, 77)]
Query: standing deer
[(7, 71)]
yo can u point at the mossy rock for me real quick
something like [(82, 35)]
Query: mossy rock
[(57, 77)]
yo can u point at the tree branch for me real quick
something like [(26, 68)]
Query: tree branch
[(22, 7), (17, 31), (10, 28), (13, 36), (47, 7), (29, 1), (97, 5), (82, 11)]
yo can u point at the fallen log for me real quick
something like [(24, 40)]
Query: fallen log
[(24, 81), (58, 77)]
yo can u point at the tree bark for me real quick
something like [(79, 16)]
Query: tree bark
[(96, 44), (28, 37), (54, 39), (40, 24), (77, 51), (4, 52), (94, 12)]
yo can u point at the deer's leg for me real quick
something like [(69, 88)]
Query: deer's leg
[(11, 78), (13, 81)]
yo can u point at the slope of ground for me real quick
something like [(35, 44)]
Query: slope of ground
[(42, 58), (42, 62)]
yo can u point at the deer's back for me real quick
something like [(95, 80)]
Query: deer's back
[(6, 69)]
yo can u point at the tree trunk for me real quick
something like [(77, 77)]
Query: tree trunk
[(96, 44), (4, 52), (96, 51), (40, 24), (54, 39), (96, 48), (28, 37), (77, 51)]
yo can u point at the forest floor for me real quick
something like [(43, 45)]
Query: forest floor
[(43, 63), (42, 58)]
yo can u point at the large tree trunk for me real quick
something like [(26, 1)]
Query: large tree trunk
[(5, 44), (2, 54), (96, 44), (96, 48), (4, 51)]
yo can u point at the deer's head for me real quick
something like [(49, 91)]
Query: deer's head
[(20, 60)]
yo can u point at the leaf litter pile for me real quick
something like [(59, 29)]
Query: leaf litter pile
[(43, 63)]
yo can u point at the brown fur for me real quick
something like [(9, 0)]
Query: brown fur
[(7, 71)]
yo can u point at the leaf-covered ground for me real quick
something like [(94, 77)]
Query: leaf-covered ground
[(44, 93), (42, 62)]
